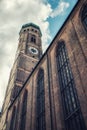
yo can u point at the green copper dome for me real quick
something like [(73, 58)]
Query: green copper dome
[(33, 25)]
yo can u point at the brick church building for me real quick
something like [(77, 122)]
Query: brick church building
[(49, 91)]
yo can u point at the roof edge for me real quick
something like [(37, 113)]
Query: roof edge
[(33, 25)]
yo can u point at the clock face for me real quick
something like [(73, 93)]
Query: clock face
[(33, 50)]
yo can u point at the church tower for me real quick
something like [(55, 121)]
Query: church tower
[(28, 53)]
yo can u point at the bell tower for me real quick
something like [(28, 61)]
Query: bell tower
[(28, 54), (30, 41)]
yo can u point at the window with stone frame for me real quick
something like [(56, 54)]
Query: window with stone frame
[(40, 115), (71, 107), (84, 16), (33, 39), (13, 119), (24, 111), (17, 116)]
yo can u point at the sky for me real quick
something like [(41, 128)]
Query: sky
[(48, 14)]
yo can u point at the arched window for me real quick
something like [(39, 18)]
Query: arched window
[(12, 123), (24, 111), (33, 38), (84, 16), (40, 119), (72, 113), (17, 117)]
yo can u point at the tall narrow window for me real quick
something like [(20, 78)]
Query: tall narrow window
[(84, 16), (33, 38), (12, 123), (24, 110), (17, 117), (72, 113), (40, 101)]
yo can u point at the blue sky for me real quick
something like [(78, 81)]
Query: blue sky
[(56, 22), (48, 14)]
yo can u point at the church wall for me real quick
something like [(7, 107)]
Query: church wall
[(55, 97), (33, 94), (77, 50), (31, 87)]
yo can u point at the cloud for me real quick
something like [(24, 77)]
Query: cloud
[(60, 9), (13, 14)]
